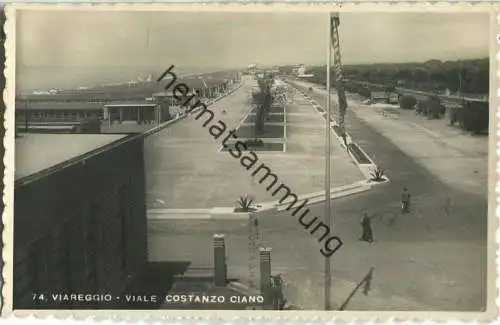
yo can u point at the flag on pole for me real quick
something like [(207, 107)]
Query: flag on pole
[(328, 217), (339, 78)]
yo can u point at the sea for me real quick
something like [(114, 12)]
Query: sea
[(30, 79)]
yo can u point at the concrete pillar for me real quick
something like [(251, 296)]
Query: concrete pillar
[(220, 267), (121, 114), (265, 271), (138, 114)]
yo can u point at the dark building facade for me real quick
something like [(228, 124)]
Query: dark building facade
[(80, 227)]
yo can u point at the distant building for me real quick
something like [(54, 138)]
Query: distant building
[(58, 117), (45, 111), (68, 111), (79, 221)]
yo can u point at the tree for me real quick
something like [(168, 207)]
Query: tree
[(433, 75), (262, 99)]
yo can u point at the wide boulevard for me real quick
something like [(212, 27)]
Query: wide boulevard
[(430, 259)]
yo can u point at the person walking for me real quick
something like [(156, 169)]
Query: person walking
[(405, 200), (366, 224)]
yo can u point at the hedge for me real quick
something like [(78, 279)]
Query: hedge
[(364, 91), (407, 102), (434, 108), (474, 117)]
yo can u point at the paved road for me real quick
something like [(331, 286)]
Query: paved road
[(431, 259), (183, 160), (428, 260)]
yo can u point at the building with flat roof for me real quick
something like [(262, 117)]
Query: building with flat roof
[(79, 216), (142, 112), (56, 111), (121, 102)]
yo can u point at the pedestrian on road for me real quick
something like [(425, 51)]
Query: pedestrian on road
[(366, 224), (405, 200)]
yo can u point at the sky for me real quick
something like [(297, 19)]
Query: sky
[(413, 37), (87, 47)]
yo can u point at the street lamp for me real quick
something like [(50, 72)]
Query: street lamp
[(460, 79)]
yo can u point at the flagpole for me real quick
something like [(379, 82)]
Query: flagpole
[(460, 79), (328, 276)]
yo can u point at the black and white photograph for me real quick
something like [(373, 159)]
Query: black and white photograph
[(253, 160)]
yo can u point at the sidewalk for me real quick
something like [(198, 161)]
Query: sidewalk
[(452, 136), (435, 256), (455, 157)]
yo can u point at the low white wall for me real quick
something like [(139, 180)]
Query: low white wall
[(228, 213)]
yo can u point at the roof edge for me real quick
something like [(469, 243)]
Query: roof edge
[(75, 160)]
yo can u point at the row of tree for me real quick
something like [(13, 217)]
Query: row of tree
[(465, 76), (471, 116)]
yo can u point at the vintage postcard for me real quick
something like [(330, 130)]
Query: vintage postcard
[(240, 161)]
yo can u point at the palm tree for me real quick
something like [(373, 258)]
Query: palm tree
[(262, 99)]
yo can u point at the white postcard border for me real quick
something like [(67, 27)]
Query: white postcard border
[(261, 316)]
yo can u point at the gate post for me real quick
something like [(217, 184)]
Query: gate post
[(220, 267), (265, 273)]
